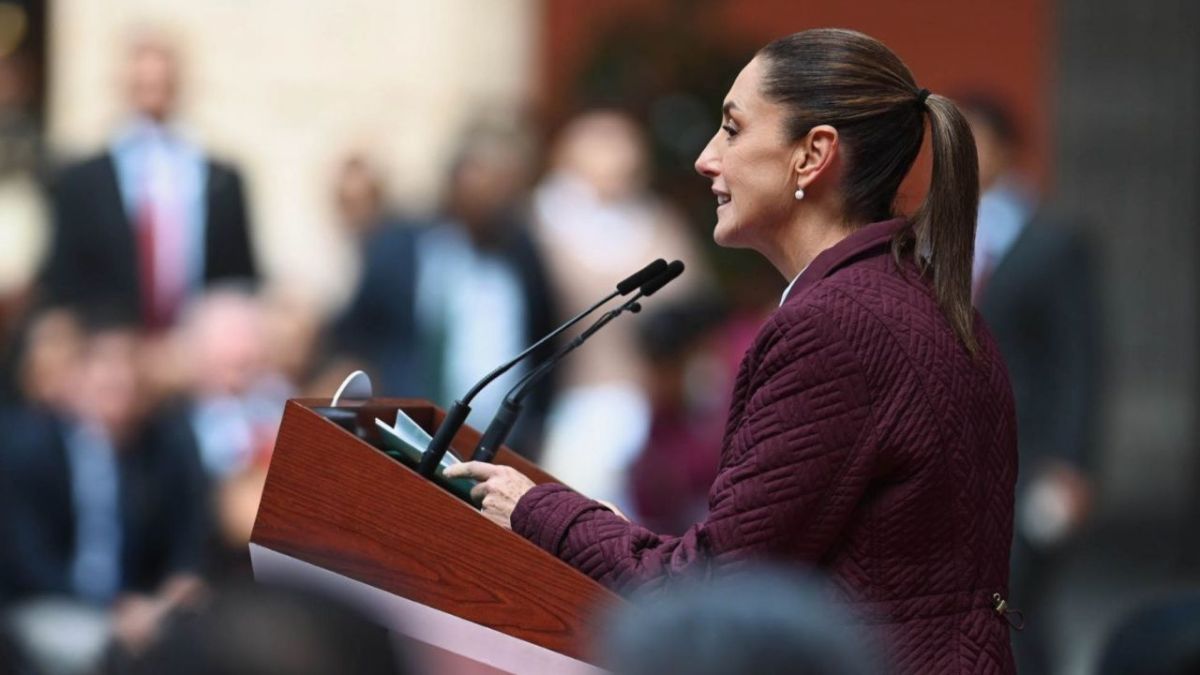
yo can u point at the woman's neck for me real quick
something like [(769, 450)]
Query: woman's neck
[(804, 238)]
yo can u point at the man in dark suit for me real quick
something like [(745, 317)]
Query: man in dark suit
[(445, 299), (162, 517), (1036, 287), (98, 503), (153, 219)]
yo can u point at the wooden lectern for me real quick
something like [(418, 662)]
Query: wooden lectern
[(342, 516)]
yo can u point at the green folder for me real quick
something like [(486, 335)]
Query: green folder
[(406, 442)]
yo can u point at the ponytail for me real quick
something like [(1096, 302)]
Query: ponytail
[(854, 83), (945, 222)]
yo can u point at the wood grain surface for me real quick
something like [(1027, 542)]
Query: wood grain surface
[(335, 501)]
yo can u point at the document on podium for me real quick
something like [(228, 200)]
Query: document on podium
[(407, 442)]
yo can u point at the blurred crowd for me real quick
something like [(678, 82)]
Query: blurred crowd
[(147, 358)]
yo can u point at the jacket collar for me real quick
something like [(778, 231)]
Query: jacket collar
[(862, 240)]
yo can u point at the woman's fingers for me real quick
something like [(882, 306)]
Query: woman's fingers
[(480, 471), (498, 491), (479, 492)]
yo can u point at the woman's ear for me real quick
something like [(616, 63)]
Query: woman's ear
[(816, 153)]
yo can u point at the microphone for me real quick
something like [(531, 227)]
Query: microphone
[(496, 432), (456, 416)]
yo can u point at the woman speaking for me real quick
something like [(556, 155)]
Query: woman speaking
[(872, 432)]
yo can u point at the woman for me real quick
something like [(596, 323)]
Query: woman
[(872, 431)]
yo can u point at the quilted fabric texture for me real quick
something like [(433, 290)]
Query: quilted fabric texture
[(863, 440)]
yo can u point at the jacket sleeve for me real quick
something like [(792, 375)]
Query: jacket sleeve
[(190, 526), (231, 247), (32, 558), (63, 266), (793, 468)]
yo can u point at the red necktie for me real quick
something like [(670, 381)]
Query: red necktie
[(152, 316)]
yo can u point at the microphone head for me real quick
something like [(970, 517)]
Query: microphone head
[(640, 277), (673, 270)]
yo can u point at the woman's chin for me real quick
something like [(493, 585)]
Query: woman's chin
[(726, 234)]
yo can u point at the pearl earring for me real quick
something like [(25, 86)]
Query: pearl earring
[(799, 194)]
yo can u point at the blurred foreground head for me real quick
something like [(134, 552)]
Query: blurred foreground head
[(152, 74), (766, 622), (607, 150), (1161, 638), (262, 630)]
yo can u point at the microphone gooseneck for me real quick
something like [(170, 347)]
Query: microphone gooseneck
[(456, 416), (496, 432)]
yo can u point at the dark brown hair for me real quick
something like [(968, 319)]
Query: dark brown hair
[(855, 84)]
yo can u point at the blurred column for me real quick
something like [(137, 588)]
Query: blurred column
[(1128, 156)]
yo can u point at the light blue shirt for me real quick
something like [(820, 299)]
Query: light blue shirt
[(144, 146), (95, 493), (475, 298), (1004, 210)]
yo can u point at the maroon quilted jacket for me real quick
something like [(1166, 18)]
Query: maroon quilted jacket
[(862, 439)]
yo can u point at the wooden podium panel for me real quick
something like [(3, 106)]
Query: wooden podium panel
[(334, 502)]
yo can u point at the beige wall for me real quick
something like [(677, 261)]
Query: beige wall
[(283, 87)]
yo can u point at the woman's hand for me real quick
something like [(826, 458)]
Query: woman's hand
[(499, 489)]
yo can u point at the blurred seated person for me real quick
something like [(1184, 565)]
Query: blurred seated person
[(1034, 282), (152, 219), (235, 399), (39, 359), (445, 299), (236, 395), (102, 505)]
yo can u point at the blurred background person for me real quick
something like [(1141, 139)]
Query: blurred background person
[(689, 379), (764, 620), (360, 197), (445, 299), (37, 367), (152, 219), (298, 344), (598, 221), (1035, 284), (235, 397), (103, 507)]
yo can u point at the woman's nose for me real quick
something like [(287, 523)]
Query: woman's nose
[(706, 163)]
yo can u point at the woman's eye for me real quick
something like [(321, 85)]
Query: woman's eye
[(729, 129)]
